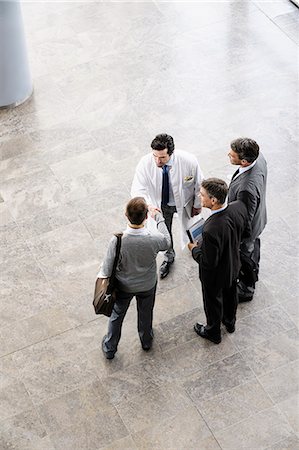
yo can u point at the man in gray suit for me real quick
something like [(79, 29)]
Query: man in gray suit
[(249, 185)]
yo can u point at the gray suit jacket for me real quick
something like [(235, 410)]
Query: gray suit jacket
[(250, 187)]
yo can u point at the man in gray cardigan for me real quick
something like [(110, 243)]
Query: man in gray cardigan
[(136, 273), (249, 185)]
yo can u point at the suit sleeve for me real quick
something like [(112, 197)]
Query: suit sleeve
[(196, 254), (251, 203), (139, 185), (165, 241), (107, 264), (210, 252), (207, 255)]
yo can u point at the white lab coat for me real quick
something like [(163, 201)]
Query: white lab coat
[(185, 175)]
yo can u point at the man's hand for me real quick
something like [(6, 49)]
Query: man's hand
[(104, 285), (153, 211), (195, 211), (191, 245)]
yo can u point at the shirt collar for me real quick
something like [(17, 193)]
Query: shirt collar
[(170, 162), (218, 210), (244, 169), (136, 231)]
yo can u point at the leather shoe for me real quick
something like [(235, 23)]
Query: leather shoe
[(164, 269), (229, 328), (201, 331), (245, 294), (108, 355), (245, 297), (146, 348)]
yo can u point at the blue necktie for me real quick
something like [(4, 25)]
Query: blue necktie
[(165, 186)]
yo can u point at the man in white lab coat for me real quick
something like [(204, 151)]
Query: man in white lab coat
[(169, 181)]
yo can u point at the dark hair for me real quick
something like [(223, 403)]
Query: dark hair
[(216, 188), (163, 141), (246, 149), (136, 210)]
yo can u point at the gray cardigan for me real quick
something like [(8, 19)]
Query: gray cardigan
[(137, 270), (250, 187)]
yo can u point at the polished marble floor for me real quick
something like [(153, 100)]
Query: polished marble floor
[(109, 76)]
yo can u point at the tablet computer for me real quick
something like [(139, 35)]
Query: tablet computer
[(195, 231)]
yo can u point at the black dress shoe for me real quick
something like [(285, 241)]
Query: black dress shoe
[(164, 269), (229, 328), (108, 355), (201, 331), (245, 297), (245, 294), (146, 348)]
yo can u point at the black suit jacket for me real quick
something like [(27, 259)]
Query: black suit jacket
[(218, 256)]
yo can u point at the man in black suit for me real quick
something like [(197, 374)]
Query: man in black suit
[(219, 259)]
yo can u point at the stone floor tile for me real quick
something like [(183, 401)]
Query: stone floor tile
[(282, 383), (150, 408), (272, 353), (75, 407), (126, 443), (99, 224), (42, 192), (257, 432), (15, 146), (49, 353), (47, 221), (175, 302), (102, 427), (178, 330), (45, 384), (15, 307), (8, 370), (217, 378), (19, 166), (69, 262), (60, 240), (182, 361), (129, 383), (14, 397), (290, 408), (292, 309), (22, 430), (191, 432), (290, 443), (263, 298), (259, 326), (234, 405), (34, 329)]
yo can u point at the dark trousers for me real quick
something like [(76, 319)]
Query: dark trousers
[(168, 212), (250, 258), (220, 305), (145, 305)]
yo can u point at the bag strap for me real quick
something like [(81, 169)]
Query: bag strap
[(117, 253)]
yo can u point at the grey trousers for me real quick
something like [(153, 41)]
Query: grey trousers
[(250, 266), (168, 212), (145, 305)]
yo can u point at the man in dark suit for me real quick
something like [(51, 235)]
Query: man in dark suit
[(249, 185), (218, 258)]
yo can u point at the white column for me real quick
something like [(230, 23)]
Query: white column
[(15, 79)]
